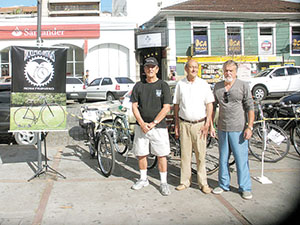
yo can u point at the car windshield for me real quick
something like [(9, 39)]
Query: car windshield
[(264, 73), (124, 80)]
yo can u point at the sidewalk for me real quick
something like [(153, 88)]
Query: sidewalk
[(87, 197)]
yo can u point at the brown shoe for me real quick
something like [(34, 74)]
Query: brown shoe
[(206, 189), (181, 187)]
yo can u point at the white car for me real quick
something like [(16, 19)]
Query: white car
[(108, 88), (275, 81), (75, 89)]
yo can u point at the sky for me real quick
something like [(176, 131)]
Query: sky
[(106, 4)]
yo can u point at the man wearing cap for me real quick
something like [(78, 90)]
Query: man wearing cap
[(151, 101), (193, 108)]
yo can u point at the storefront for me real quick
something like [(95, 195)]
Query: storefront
[(210, 67), (93, 46), (152, 44)]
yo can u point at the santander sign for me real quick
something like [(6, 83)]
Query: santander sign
[(51, 31)]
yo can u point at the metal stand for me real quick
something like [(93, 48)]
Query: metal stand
[(43, 168), (262, 179)]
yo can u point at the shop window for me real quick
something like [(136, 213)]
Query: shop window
[(74, 6), (295, 45), (234, 40), (75, 62), (266, 43), (200, 35)]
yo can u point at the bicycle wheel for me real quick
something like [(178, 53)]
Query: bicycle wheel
[(105, 153), (296, 138), (277, 144), (24, 117), (174, 145), (151, 159), (122, 136), (53, 115), (212, 155)]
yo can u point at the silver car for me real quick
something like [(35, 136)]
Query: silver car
[(108, 88)]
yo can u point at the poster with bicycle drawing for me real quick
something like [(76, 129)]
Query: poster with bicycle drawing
[(38, 93)]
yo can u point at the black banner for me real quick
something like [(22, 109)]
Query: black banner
[(38, 69), (38, 94)]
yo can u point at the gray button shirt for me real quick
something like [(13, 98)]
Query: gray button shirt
[(233, 114)]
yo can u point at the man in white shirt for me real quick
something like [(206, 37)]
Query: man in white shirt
[(193, 106)]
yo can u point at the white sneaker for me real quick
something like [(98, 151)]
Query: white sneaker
[(164, 189), (246, 195), (218, 191), (140, 184)]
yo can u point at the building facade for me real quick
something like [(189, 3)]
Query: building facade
[(99, 41), (257, 34)]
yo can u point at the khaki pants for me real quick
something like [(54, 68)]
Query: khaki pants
[(189, 141)]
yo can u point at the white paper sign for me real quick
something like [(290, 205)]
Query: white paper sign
[(275, 137)]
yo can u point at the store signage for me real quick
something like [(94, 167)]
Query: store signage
[(266, 45), (200, 45), (234, 45), (149, 40), (51, 31), (295, 44)]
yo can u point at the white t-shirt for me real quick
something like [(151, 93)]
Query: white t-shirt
[(192, 98)]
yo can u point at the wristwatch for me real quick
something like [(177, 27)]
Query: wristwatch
[(156, 122), (251, 128)]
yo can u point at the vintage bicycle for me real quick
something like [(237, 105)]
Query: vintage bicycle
[(51, 114), (275, 142), (285, 111), (101, 143)]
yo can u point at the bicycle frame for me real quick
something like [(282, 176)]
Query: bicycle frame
[(36, 118)]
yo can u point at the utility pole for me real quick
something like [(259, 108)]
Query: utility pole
[(39, 22)]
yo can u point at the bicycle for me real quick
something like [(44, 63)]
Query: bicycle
[(293, 125), (100, 140), (123, 137), (275, 140), (51, 114), (212, 150)]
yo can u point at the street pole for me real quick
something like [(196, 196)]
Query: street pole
[(39, 42), (39, 22)]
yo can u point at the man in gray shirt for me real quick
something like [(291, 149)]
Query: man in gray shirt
[(235, 105)]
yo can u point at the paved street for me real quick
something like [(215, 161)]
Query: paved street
[(87, 197)]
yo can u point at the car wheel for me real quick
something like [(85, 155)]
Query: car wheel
[(259, 93), (26, 137), (110, 97)]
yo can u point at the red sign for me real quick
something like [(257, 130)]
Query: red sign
[(51, 31)]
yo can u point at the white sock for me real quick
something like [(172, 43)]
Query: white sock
[(163, 177), (143, 174)]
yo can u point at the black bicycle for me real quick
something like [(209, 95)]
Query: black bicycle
[(51, 114), (282, 110), (268, 137)]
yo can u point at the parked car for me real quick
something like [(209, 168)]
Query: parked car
[(21, 137), (108, 88), (75, 89), (275, 81), (5, 79), (293, 98)]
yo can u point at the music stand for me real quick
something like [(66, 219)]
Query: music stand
[(43, 168)]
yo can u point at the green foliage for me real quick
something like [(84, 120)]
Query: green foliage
[(37, 99)]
